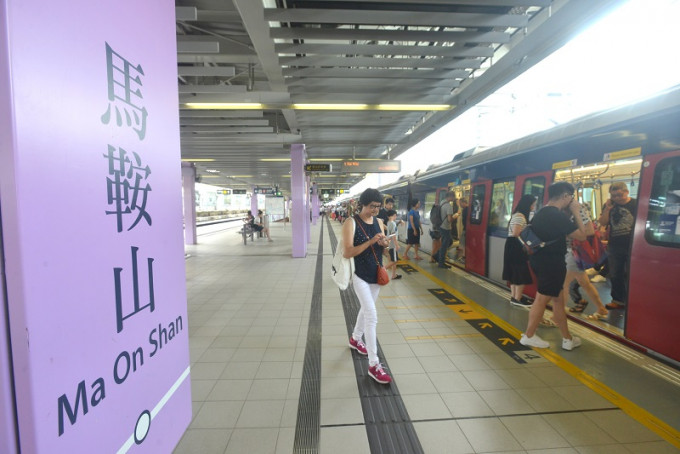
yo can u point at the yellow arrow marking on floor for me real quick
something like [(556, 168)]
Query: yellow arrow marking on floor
[(485, 325), (506, 340)]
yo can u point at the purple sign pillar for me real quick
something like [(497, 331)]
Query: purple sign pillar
[(95, 275), (298, 194), (189, 198), (253, 202), (315, 203)]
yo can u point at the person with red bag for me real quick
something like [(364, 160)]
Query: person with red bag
[(366, 246)]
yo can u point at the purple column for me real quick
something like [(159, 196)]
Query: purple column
[(308, 208), (96, 296), (299, 215), (253, 202), (189, 199), (315, 203)]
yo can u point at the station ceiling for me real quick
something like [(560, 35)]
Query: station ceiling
[(349, 79)]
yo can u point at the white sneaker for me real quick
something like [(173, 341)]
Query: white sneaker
[(534, 341), (591, 272), (598, 278), (570, 344)]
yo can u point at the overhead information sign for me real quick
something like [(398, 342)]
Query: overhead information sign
[(239, 191), (564, 164), (318, 167), (613, 156), (372, 166)]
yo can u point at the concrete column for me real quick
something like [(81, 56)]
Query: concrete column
[(299, 214), (189, 199)]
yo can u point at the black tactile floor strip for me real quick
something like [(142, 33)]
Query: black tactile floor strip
[(309, 404), (388, 425)]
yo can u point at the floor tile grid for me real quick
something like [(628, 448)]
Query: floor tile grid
[(247, 338)]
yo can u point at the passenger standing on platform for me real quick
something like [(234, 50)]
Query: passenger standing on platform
[(618, 215), (576, 274), (414, 230), (264, 224), (393, 251), (366, 247), (552, 225), (449, 214), (515, 260)]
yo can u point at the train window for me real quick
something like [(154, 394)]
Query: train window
[(536, 187), (430, 198), (663, 219), (501, 203), (478, 195)]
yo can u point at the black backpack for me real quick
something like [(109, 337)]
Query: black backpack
[(436, 216)]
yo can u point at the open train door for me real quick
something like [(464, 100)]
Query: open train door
[(653, 310), (475, 234), (535, 184)]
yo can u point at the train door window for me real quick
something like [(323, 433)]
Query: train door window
[(478, 195), (663, 220), (430, 198), (536, 187), (501, 203)]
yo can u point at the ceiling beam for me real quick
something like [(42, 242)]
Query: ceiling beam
[(382, 34), (198, 47), (439, 63), (365, 17), (348, 73), (206, 71), (387, 49), (509, 3)]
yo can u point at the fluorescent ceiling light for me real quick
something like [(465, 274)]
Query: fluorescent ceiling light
[(275, 159), (316, 106), (240, 176), (197, 160), (224, 105)]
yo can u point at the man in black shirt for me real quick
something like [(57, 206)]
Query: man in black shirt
[(552, 225), (618, 214)]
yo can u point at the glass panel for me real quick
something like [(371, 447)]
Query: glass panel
[(478, 195), (501, 203), (536, 187), (663, 219), (427, 206)]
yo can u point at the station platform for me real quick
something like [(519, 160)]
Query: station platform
[(271, 371)]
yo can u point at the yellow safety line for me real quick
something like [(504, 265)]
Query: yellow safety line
[(426, 320), (641, 415)]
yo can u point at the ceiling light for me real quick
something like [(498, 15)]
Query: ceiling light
[(224, 105), (275, 159), (240, 176), (212, 171), (197, 160)]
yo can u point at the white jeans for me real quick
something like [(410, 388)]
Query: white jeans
[(367, 319)]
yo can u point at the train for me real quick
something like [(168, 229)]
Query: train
[(638, 144)]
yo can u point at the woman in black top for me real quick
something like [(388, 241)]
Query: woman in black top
[(364, 240)]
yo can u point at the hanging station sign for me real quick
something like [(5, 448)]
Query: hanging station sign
[(371, 166)]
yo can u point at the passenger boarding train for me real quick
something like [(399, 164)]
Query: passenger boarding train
[(638, 144)]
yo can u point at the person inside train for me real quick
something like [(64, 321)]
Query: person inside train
[(366, 246), (461, 221), (553, 227), (515, 260), (618, 214), (575, 273), (414, 230), (449, 214)]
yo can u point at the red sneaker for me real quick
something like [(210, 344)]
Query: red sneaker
[(359, 346), (378, 374)]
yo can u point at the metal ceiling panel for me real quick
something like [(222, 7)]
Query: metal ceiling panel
[(277, 53)]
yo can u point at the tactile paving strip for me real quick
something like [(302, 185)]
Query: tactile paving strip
[(388, 425)]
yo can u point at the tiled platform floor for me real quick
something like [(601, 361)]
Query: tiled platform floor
[(248, 317)]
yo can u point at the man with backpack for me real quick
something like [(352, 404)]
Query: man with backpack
[(449, 213)]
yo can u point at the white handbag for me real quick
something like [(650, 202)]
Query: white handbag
[(341, 267)]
